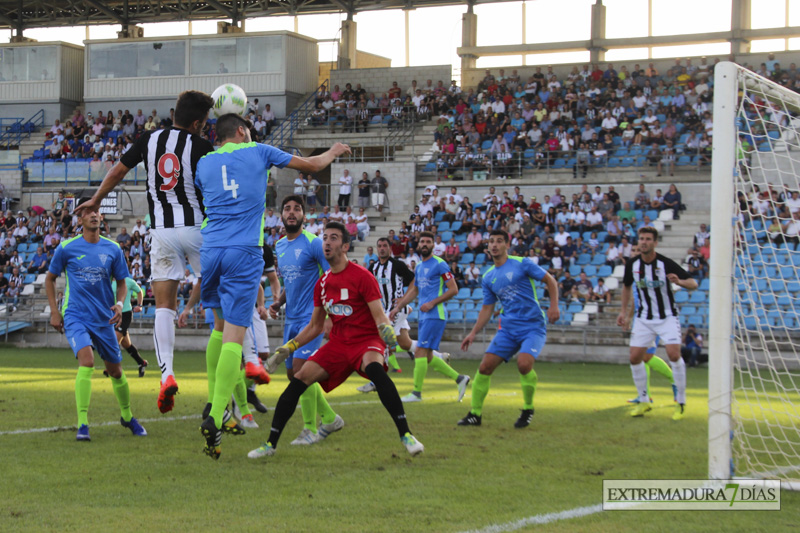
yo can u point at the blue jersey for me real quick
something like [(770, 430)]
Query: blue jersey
[(431, 277), (233, 181), (513, 285), (301, 263), (89, 270)]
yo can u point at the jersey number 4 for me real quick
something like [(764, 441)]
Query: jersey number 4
[(232, 186)]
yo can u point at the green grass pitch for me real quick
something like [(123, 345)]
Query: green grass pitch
[(360, 479)]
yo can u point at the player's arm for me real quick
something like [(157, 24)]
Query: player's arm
[(452, 290), (627, 294), (262, 312), (407, 298), (385, 327), (484, 316), (310, 332), (56, 320), (553, 313), (275, 308), (112, 179), (194, 297), (122, 290), (274, 284), (677, 275), (318, 162)]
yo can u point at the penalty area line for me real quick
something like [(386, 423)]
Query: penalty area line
[(166, 419), (540, 519)]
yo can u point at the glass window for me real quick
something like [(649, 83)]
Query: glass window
[(31, 63), (137, 60), (238, 55)]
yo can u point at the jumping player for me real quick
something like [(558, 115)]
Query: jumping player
[(349, 294), (233, 181), (170, 158)]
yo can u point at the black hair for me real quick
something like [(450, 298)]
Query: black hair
[(499, 233), (386, 240), (192, 106), (426, 234), (229, 124), (648, 229), (294, 198), (340, 227)]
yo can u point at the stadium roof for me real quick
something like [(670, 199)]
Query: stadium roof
[(16, 14)]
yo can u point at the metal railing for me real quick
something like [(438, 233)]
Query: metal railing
[(14, 130), (490, 165), (283, 133)]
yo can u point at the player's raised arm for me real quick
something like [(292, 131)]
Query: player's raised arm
[(318, 162), (112, 179)]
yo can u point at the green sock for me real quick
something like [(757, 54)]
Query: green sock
[(240, 394), (213, 350), (123, 394), (324, 410), (392, 362), (480, 388), (443, 368), (529, 382), (308, 408), (83, 393), (230, 359), (420, 369), (660, 366)]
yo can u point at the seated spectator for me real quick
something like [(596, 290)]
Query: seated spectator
[(582, 289), (672, 200), (452, 252), (556, 263), (657, 201), (642, 198), (667, 159), (475, 241), (613, 256), (472, 275), (566, 286), (124, 239), (600, 292), (39, 262), (458, 275), (696, 265), (692, 347), (439, 248)]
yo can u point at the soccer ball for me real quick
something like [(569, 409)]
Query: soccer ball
[(229, 98)]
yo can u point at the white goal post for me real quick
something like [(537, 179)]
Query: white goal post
[(754, 310)]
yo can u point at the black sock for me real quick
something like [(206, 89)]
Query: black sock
[(388, 395), (135, 354), (287, 404)]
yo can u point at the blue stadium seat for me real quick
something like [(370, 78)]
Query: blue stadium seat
[(29, 278), (446, 236), (681, 297), (793, 287), (584, 259), (467, 258), (684, 160), (652, 213), (438, 217), (477, 294), (605, 271), (698, 297), (705, 285), (480, 259), (471, 316), (463, 294), (688, 310), (456, 316), (590, 270), (575, 271), (452, 306), (444, 226), (575, 308), (598, 260), (455, 226)]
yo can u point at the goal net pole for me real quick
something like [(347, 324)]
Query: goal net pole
[(720, 361)]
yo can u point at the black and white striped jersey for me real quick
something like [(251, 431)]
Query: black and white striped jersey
[(170, 157), (656, 301), (393, 278)]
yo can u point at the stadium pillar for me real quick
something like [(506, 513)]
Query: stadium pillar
[(469, 38), (741, 21), (347, 45), (597, 54)]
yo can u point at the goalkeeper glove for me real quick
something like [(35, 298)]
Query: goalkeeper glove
[(387, 334), (280, 355)]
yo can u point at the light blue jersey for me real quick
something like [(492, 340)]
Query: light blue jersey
[(512, 284), (89, 270), (301, 263), (431, 277), (233, 181)]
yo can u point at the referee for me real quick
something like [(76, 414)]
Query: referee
[(652, 273)]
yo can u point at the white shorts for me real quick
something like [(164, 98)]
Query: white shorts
[(644, 332), (400, 322), (378, 198), (171, 249)]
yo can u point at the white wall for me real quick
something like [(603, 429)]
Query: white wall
[(379, 80)]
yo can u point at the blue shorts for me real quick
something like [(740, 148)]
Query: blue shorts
[(102, 338), (230, 281), (509, 341), (430, 333), (292, 330)]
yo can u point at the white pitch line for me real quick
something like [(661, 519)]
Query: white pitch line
[(166, 419), (540, 519)]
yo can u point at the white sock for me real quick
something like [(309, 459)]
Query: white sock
[(164, 337), (679, 375), (249, 349), (437, 354), (640, 380), (413, 347)]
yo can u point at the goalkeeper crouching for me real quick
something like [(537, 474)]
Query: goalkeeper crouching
[(350, 295)]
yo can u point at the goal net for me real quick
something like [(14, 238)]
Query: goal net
[(754, 327)]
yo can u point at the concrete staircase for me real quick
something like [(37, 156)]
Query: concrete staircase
[(678, 236)]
